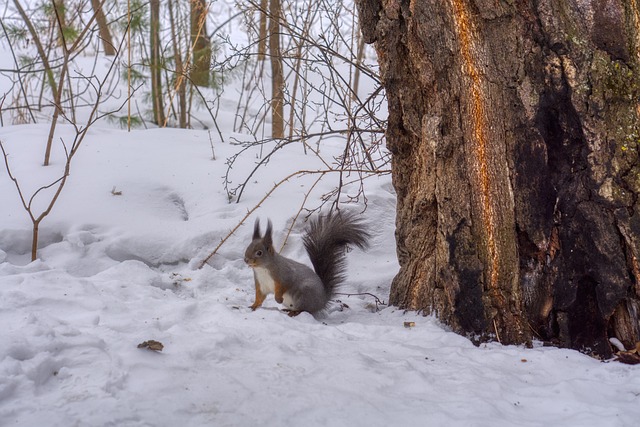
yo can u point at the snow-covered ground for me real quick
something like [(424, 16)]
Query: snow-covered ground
[(117, 270)]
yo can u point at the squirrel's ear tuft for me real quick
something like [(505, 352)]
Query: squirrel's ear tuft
[(256, 229), (268, 239)]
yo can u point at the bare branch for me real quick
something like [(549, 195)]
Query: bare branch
[(266, 196)]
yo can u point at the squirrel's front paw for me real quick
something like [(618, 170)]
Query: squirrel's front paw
[(279, 299)]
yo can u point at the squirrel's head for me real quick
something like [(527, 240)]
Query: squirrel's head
[(261, 247)]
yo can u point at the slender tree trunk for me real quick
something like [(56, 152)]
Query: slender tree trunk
[(156, 63), (60, 19), (277, 77), (262, 35), (514, 129), (181, 87), (34, 240), (359, 58), (200, 43), (57, 107), (103, 27), (50, 78), (297, 77)]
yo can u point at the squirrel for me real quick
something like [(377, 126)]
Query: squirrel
[(295, 285)]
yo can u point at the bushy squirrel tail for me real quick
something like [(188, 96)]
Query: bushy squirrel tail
[(325, 242)]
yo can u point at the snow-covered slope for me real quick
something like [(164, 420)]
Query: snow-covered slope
[(116, 270)]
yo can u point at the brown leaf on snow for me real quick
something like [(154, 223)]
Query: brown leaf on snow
[(152, 345)]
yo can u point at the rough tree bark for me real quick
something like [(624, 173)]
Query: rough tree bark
[(514, 128)]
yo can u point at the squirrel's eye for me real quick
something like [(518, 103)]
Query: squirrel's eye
[(258, 253)]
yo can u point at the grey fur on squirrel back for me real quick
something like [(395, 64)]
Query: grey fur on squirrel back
[(295, 285), (325, 241)]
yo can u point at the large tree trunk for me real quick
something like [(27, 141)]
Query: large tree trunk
[(514, 129)]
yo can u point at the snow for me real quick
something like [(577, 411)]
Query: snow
[(117, 270), (118, 265)]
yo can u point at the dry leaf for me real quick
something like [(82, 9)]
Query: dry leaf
[(152, 345), (409, 324)]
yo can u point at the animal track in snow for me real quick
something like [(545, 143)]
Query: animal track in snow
[(159, 201)]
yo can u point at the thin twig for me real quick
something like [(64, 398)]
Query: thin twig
[(378, 301), (252, 210), (266, 196), (495, 327), (302, 205)]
